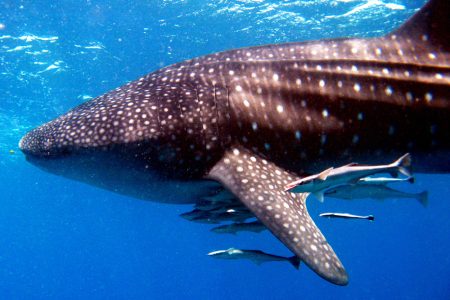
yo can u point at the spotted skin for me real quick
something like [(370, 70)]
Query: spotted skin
[(259, 185), (320, 98), (302, 106)]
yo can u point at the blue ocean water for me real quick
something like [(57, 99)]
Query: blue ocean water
[(61, 239)]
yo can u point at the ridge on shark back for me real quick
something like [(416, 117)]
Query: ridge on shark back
[(253, 120)]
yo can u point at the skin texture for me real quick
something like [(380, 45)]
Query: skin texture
[(252, 120)]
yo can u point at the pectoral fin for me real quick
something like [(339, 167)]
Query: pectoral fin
[(259, 184)]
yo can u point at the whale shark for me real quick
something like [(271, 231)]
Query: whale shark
[(249, 121)]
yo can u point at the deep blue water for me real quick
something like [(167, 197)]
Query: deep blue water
[(61, 239)]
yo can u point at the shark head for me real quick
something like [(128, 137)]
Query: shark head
[(130, 140), (127, 116)]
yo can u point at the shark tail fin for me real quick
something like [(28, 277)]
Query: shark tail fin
[(423, 198), (295, 261), (430, 25), (403, 164)]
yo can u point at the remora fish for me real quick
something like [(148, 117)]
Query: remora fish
[(253, 120), (229, 209), (384, 180), (223, 199), (346, 216), (237, 214), (256, 256), (234, 228), (223, 217), (378, 191), (347, 174)]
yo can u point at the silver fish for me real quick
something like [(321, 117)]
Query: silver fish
[(384, 180), (318, 183), (378, 191), (346, 216), (256, 256), (221, 215), (234, 228)]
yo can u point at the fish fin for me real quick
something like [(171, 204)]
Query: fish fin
[(430, 25), (215, 229), (260, 229), (319, 196), (324, 174), (189, 215), (404, 165), (295, 261), (256, 261), (248, 176), (290, 186), (423, 198)]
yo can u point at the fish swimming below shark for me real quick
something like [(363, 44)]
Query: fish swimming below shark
[(255, 226), (256, 256), (384, 180), (346, 216), (252, 120)]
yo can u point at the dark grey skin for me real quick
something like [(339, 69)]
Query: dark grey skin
[(252, 120), (256, 256), (378, 191), (234, 228)]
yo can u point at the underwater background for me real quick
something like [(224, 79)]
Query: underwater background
[(61, 239)]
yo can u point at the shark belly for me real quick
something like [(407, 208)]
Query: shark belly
[(128, 176)]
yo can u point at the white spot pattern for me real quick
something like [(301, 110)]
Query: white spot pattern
[(283, 213)]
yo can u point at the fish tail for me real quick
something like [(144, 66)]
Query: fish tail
[(403, 165), (423, 198), (295, 261)]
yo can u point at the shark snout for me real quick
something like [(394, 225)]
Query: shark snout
[(39, 142)]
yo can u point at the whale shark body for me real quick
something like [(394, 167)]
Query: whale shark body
[(252, 120)]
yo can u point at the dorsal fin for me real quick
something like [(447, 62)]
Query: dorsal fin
[(430, 24), (324, 174)]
